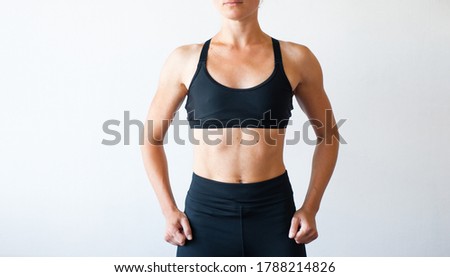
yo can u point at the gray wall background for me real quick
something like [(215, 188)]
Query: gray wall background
[(68, 66)]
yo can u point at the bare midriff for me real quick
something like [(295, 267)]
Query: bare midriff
[(238, 155)]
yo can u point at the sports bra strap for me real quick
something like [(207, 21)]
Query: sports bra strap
[(276, 50), (204, 53)]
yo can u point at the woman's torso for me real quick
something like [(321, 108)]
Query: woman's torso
[(223, 86)]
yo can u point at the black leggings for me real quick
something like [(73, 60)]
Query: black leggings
[(236, 220)]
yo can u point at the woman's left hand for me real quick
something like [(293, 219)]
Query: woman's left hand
[(303, 226)]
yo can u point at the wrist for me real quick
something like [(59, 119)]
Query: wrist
[(310, 209), (167, 211)]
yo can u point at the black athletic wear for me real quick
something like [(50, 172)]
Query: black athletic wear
[(267, 105), (236, 220), (240, 219)]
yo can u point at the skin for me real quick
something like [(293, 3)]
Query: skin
[(241, 44)]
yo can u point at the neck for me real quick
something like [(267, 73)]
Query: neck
[(241, 32)]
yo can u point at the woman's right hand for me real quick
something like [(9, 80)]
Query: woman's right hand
[(178, 228)]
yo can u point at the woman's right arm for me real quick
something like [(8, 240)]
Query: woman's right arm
[(169, 96)]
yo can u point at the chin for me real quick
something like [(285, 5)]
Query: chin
[(236, 14)]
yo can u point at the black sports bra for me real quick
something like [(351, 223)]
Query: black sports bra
[(210, 104)]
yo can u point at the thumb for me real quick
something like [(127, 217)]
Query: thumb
[(295, 222), (186, 228)]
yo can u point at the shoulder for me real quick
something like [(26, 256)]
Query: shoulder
[(181, 62), (183, 55), (185, 52), (300, 62), (298, 53)]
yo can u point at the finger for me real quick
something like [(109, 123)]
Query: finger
[(301, 235), (306, 234), (295, 222), (179, 237), (174, 236), (186, 228), (169, 239)]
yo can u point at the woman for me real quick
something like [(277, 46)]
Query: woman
[(239, 88)]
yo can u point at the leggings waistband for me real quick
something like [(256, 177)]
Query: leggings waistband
[(270, 190)]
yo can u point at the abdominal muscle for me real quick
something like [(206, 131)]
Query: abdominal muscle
[(238, 155)]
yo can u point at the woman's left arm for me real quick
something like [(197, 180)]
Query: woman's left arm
[(312, 99)]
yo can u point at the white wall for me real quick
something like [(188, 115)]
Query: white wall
[(68, 66)]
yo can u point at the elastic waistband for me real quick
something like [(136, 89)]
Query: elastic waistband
[(274, 189)]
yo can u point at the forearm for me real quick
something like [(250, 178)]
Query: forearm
[(323, 164), (155, 163)]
